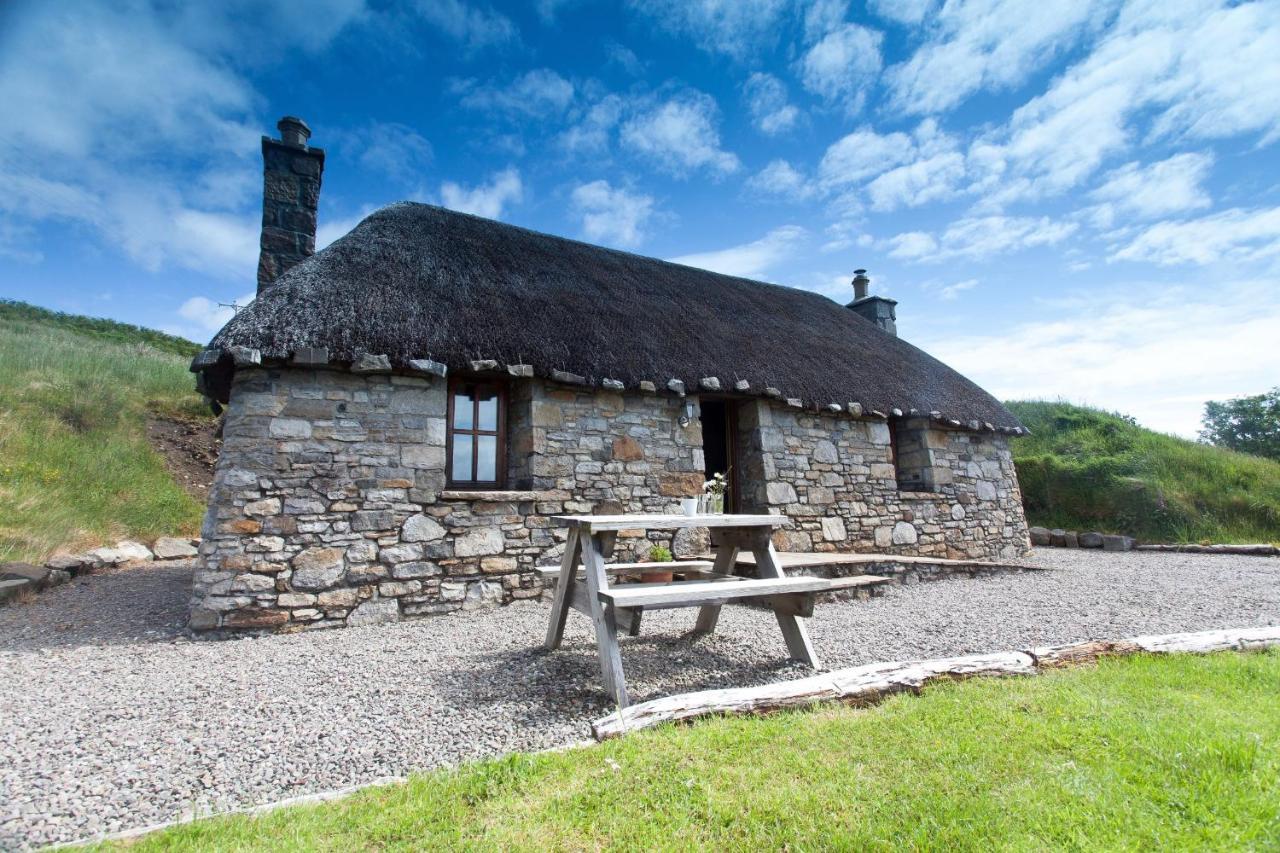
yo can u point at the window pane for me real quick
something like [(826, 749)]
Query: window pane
[(487, 462), (462, 458), (488, 398), (463, 407)]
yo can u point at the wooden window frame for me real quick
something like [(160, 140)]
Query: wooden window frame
[(500, 465)]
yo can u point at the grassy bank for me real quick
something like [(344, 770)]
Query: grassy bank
[(1140, 753), (75, 466), (1085, 469)]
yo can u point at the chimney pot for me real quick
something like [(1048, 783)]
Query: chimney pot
[(860, 284), (293, 131)]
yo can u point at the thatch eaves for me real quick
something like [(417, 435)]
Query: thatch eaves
[(419, 283)]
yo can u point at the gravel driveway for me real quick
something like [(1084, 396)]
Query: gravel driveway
[(112, 720)]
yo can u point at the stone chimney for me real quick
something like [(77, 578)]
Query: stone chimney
[(290, 194), (875, 309)]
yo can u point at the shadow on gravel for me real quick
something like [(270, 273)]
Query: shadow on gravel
[(137, 604), (568, 679)]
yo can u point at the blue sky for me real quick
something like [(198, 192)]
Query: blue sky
[(1069, 199)]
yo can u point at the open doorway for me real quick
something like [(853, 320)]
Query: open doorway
[(720, 446)]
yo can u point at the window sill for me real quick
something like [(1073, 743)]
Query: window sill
[(495, 495), (922, 496)]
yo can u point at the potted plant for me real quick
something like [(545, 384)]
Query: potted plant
[(713, 493), (658, 554)]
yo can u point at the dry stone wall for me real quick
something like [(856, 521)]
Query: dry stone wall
[(835, 478), (329, 505)]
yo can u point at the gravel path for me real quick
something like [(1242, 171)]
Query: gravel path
[(111, 720)]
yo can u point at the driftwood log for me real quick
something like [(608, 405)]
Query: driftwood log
[(1258, 550), (866, 685)]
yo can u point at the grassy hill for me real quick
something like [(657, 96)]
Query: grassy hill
[(1086, 469), (75, 466)]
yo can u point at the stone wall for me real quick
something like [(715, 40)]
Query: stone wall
[(835, 478), (329, 505)]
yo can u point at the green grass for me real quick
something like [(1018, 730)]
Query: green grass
[(1085, 469), (1140, 753), (75, 466)]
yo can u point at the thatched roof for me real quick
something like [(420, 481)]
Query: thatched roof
[(413, 281)]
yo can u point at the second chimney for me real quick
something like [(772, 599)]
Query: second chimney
[(875, 309), (290, 196)]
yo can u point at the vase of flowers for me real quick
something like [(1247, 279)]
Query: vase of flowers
[(713, 494)]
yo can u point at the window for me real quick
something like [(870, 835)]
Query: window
[(477, 434)]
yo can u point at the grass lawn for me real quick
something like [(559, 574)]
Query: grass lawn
[(75, 466), (1141, 753)]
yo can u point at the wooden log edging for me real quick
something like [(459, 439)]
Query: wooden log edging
[(871, 683)]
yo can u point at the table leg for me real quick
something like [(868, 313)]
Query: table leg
[(605, 621), (793, 627), (726, 559), (564, 589)]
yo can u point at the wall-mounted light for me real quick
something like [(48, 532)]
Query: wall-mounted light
[(689, 411)]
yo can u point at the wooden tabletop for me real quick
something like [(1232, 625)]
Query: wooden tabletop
[(669, 522)]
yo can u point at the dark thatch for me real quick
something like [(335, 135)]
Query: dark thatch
[(414, 281)]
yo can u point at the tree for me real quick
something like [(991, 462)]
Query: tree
[(1247, 424)]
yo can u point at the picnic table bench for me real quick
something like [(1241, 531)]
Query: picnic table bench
[(583, 583)]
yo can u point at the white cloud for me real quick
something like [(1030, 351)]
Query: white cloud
[(1190, 71), (822, 17), (981, 237), (862, 154), (537, 93), (909, 170), (931, 179), (902, 11), (750, 260), (951, 292), (766, 98), (731, 27), (472, 26), (680, 136), (591, 132), (987, 44), (1158, 189), (612, 215), (1168, 341), (782, 179), (912, 245), (624, 57), (207, 315), (488, 200), (1233, 235), (843, 65)]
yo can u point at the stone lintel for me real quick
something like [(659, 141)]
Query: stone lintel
[(426, 365)]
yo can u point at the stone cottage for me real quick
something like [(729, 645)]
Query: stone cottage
[(408, 408)]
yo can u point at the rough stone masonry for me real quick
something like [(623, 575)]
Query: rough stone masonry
[(329, 505)]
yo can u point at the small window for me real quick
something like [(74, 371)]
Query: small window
[(477, 434)]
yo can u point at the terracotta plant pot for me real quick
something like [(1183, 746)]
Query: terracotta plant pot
[(656, 577)]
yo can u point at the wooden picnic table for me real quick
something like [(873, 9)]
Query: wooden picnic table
[(707, 585)]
